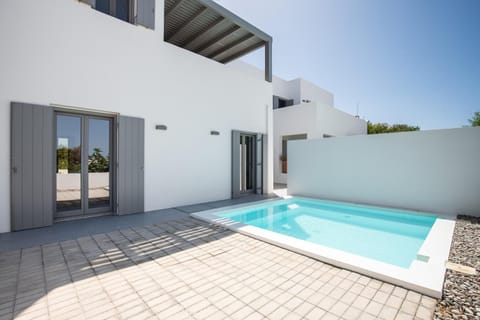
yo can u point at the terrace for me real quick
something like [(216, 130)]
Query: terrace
[(183, 268), (165, 264)]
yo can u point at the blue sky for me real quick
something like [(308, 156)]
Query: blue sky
[(403, 61)]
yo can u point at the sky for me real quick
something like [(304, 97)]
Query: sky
[(402, 61)]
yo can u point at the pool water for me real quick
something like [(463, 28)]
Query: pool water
[(387, 235)]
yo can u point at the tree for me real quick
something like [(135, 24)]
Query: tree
[(62, 158), (475, 121), (69, 159), (374, 128), (97, 162)]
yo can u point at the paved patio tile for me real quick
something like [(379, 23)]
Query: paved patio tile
[(423, 313), (394, 302), (327, 303), (403, 316), (187, 269), (387, 313), (399, 292), (314, 314), (352, 313), (373, 308), (339, 308), (409, 307), (330, 316), (361, 303), (413, 297), (380, 297)]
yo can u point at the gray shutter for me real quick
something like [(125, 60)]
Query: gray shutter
[(235, 164), (146, 13), (130, 169), (90, 2), (32, 161), (276, 102), (259, 164)]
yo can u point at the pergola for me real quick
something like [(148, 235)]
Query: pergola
[(208, 29)]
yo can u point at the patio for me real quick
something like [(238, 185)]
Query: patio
[(181, 268)]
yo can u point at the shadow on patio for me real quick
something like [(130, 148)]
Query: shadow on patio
[(113, 271)]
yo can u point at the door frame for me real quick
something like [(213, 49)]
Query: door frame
[(235, 190), (84, 114)]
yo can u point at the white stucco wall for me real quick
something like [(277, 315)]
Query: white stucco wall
[(63, 52), (433, 171), (313, 119), (287, 89), (312, 92), (298, 119), (334, 122), (301, 89)]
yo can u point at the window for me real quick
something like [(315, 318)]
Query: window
[(121, 9), (279, 102), (139, 12)]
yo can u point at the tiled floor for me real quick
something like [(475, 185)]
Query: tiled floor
[(186, 269), (68, 230)]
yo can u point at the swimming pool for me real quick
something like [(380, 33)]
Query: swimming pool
[(386, 235), (402, 247)]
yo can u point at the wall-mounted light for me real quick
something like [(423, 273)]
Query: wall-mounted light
[(214, 133), (161, 127)]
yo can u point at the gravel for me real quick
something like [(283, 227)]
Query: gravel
[(461, 292)]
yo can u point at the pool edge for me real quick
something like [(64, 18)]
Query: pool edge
[(424, 277)]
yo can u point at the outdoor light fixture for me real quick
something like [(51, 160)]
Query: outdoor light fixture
[(161, 127), (214, 133)]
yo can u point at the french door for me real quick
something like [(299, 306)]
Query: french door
[(83, 146)]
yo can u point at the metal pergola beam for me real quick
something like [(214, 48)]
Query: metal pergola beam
[(175, 6), (190, 40), (243, 52), (231, 45), (218, 38), (187, 23), (268, 60), (235, 19)]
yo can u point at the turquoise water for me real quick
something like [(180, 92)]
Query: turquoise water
[(381, 234)]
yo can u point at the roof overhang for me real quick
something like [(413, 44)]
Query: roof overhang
[(208, 29)]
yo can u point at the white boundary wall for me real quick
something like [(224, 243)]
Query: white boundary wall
[(63, 52), (433, 171), (313, 119)]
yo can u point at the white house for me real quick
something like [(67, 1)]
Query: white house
[(303, 110), (122, 106)]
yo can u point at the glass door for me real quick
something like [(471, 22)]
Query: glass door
[(247, 158), (83, 165), (69, 164), (98, 163)]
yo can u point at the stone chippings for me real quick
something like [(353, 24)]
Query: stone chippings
[(461, 292)]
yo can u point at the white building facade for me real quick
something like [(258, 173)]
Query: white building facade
[(169, 111), (303, 110)]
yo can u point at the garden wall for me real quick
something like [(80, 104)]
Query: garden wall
[(433, 171)]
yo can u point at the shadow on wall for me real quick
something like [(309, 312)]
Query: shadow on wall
[(76, 272)]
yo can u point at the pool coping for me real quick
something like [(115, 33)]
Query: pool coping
[(425, 275)]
